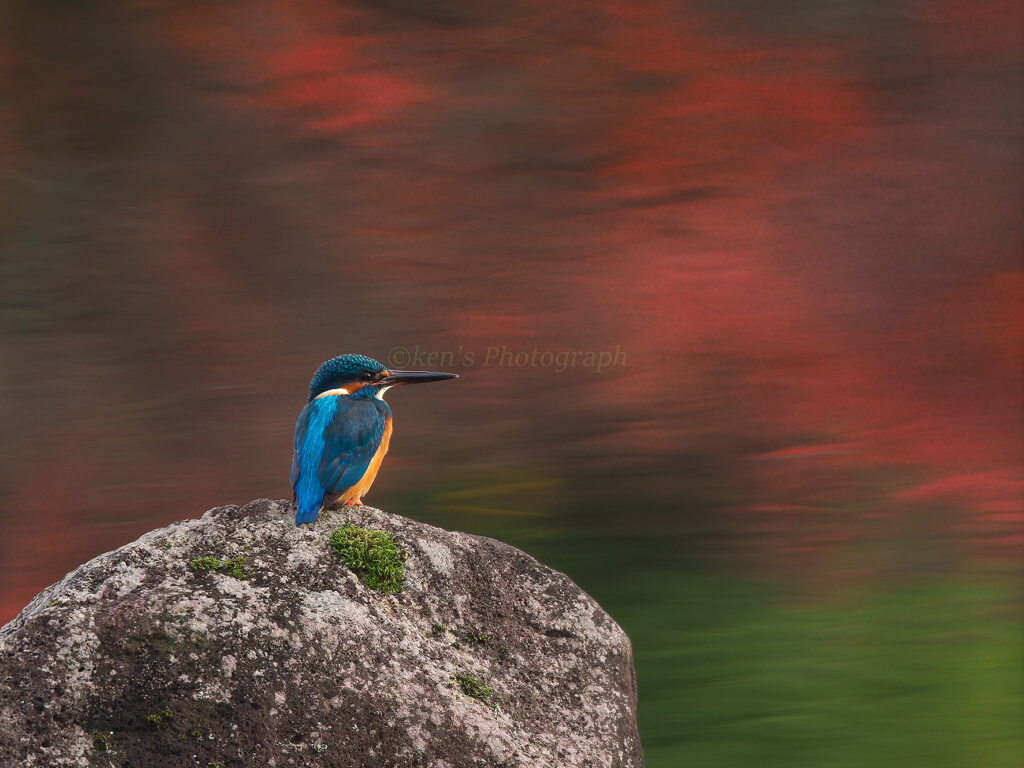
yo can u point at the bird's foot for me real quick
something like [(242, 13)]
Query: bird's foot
[(355, 502)]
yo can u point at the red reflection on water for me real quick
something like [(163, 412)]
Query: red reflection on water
[(807, 241)]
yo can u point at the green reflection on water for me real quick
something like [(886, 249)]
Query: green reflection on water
[(732, 671), (733, 675)]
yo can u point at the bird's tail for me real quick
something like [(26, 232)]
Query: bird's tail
[(307, 509)]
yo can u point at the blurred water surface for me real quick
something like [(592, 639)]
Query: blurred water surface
[(799, 489)]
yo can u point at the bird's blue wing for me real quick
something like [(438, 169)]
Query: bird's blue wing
[(336, 438), (350, 443)]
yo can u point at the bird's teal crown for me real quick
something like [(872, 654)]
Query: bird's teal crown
[(342, 370)]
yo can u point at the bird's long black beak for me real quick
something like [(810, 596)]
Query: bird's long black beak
[(394, 378)]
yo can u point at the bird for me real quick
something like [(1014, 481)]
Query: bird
[(344, 430)]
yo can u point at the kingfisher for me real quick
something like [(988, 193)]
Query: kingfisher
[(344, 431)]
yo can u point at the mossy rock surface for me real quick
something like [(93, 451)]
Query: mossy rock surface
[(366, 639), (373, 555)]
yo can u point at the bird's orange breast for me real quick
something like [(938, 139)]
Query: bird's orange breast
[(361, 488)]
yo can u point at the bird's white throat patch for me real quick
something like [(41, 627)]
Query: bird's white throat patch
[(332, 392), (342, 391)]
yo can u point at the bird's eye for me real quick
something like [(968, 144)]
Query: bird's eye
[(366, 376)]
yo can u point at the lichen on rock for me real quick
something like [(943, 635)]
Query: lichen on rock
[(392, 644)]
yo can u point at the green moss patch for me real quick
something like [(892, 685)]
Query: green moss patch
[(373, 555), (473, 686), (161, 719), (232, 566), (475, 636), (101, 741)]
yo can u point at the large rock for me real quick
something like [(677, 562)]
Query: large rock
[(149, 656)]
